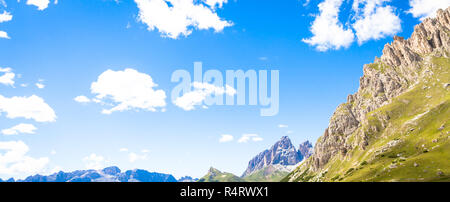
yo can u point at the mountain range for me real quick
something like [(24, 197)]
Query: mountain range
[(271, 165), (109, 174)]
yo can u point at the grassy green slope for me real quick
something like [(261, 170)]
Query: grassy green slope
[(215, 175), (413, 145), (266, 175)]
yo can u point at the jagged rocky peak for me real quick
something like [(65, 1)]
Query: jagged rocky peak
[(305, 149), (282, 153), (400, 67), (428, 36)]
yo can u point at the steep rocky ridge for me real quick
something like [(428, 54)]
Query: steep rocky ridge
[(398, 95), (282, 152), (275, 163)]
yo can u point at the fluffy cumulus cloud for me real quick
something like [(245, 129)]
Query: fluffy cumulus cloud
[(126, 90), (94, 161), (20, 128), (199, 93), (426, 8), (215, 3), (15, 161), (174, 18), (40, 84), (40, 4), (368, 20), (250, 137), (4, 35), (32, 107), (7, 76), (376, 21), (82, 99), (5, 17), (226, 138), (328, 32)]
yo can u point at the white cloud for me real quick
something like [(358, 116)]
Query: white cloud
[(282, 126), (133, 157), (226, 138), (426, 8), (82, 99), (94, 161), (5, 17), (53, 152), (199, 93), (178, 17), (4, 35), (214, 3), (20, 128), (368, 19), (32, 107), (40, 85), (328, 32), (306, 2), (128, 89), (375, 21), (250, 137), (14, 161), (41, 4), (6, 75)]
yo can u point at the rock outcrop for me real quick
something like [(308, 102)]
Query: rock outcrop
[(305, 149), (282, 153), (395, 72)]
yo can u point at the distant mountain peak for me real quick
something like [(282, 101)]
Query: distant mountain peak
[(305, 149), (187, 179), (215, 175), (112, 170), (282, 153)]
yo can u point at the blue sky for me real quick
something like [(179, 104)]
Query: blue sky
[(66, 46)]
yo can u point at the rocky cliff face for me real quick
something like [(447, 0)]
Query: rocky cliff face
[(380, 83), (305, 149), (404, 65), (282, 153)]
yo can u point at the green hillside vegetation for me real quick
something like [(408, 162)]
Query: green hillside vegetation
[(409, 137), (266, 175), (215, 175)]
